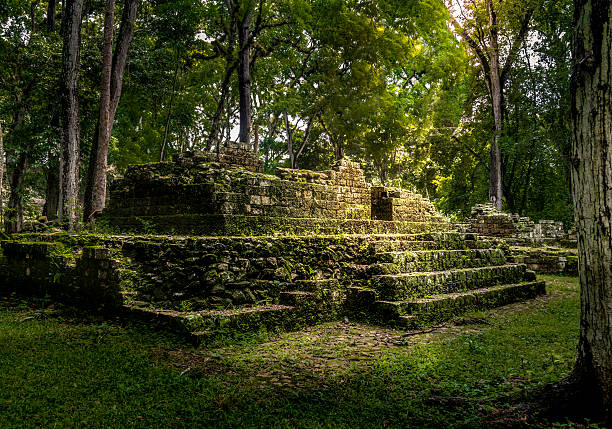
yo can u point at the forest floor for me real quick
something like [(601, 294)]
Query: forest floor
[(59, 369)]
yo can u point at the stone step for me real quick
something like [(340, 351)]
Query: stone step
[(435, 260), (296, 298), (427, 311), (399, 245), (312, 285), (209, 322), (417, 285)]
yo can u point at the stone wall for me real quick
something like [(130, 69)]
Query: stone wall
[(194, 196), (84, 276), (232, 155), (486, 220), (547, 260), (393, 204)]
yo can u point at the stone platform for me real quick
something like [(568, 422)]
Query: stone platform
[(229, 249), (203, 286)]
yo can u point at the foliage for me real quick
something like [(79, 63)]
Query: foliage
[(73, 372), (383, 82)]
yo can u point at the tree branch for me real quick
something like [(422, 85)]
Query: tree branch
[(516, 45)]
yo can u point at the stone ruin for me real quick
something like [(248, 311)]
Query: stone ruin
[(487, 220), (544, 246), (198, 194), (229, 249)]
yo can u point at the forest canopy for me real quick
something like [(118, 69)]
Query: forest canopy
[(395, 85)]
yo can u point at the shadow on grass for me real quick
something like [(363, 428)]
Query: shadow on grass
[(91, 372)]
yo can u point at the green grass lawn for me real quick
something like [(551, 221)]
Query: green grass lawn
[(63, 371)]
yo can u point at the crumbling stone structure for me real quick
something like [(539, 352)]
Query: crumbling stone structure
[(487, 220), (193, 195), (252, 251), (544, 246)]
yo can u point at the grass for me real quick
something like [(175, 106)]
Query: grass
[(60, 370)]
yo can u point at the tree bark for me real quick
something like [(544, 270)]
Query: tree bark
[(95, 194), (167, 127), (289, 140), (495, 79), (51, 193), (592, 190), (496, 89), (1, 173), (71, 31), (14, 220), (51, 16), (244, 76), (122, 49), (110, 93)]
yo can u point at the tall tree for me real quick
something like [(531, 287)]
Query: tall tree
[(592, 189), (482, 36), (1, 172), (71, 32), (244, 70), (111, 82), (51, 16), (95, 192)]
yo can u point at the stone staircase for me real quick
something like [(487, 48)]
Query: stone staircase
[(412, 283), (407, 281)]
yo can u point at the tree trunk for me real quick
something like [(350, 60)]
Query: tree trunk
[(1, 172), (122, 49), (51, 193), (289, 140), (496, 89), (14, 219), (71, 31), (256, 140), (167, 127), (51, 16), (95, 193), (592, 191), (110, 93), (244, 77)]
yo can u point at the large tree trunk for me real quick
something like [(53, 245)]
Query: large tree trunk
[(592, 190), (111, 85), (1, 172), (244, 76), (71, 31), (496, 89)]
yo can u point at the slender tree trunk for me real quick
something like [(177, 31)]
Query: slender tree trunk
[(305, 141), (51, 16), (71, 30), (167, 128), (496, 178), (14, 220), (110, 93), (592, 191), (216, 120), (244, 77), (122, 49), (95, 193), (256, 140), (1, 173), (51, 193), (289, 140)]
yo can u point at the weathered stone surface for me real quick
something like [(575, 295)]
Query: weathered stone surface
[(195, 196)]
